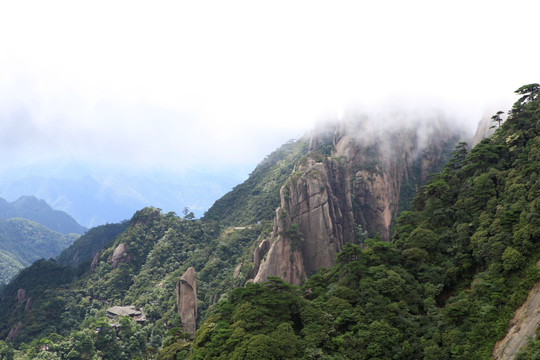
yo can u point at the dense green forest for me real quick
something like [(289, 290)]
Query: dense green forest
[(461, 260), (23, 241), (257, 198)]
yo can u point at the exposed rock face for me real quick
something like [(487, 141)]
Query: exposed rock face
[(259, 253), (120, 255), (326, 197), (28, 305), (320, 203), (21, 294), (284, 258), (483, 130), (95, 260), (186, 299), (522, 326), (379, 167), (237, 270), (75, 259), (14, 331)]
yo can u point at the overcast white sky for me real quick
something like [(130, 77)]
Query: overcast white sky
[(222, 83)]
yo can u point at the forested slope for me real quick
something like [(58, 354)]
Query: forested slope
[(457, 266), (31, 208), (23, 241), (461, 261), (257, 198)]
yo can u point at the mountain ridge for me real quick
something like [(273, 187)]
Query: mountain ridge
[(459, 262), (34, 209)]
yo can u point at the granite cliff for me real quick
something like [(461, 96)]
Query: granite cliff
[(353, 180)]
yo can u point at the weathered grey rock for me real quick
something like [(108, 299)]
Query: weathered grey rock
[(120, 255), (483, 130), (259, 253), (186, 297), (95, 261), (14, 331), (21, 294), (367, 169), (237, 270), (282, 259), (28, 305)]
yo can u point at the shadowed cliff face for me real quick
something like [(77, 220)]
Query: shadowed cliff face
[(362, 183)]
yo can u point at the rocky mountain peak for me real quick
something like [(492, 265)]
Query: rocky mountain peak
[(355, 174)]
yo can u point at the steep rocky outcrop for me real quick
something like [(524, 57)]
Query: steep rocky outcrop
[(29, 304), (283, 258), (484, 129), (120, 255), (95, 260), (186, 299), (382, 168), (21, 295), (14, 331), (522, 326), (362, 182)]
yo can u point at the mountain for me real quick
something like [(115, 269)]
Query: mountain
[(86, 247), (96, 196), (378, 276), (23, 241), (257, 198), (349, 185), (461, 261), (141, 263), (31, 208)]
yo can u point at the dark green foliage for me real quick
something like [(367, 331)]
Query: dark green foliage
[(23, 241), (89, 244), (462, 259), (160, 247), (259, 321), (257, 198)]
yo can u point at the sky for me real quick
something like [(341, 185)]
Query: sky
[(184, 85)]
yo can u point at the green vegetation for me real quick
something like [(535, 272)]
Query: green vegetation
[(257, 198), (62, 303), (39, 211), (89, 244), (461, 260), (23, 241)]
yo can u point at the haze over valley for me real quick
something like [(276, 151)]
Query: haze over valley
[(284, 180)]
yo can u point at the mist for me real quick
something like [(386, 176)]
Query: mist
[(192, 91)]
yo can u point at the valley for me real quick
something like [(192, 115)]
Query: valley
[(358, 241)]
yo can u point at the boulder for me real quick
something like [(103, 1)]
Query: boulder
[(120, 255), (14, 331), (186, 298), (21, 294), (28, 305)]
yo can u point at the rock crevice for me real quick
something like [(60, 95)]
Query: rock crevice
[(327, 197)]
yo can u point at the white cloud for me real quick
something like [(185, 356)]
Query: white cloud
[(222, 83)]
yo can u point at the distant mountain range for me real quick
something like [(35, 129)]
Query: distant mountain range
[(29, 230), (32, 208), (96, 196), (332, 249)]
